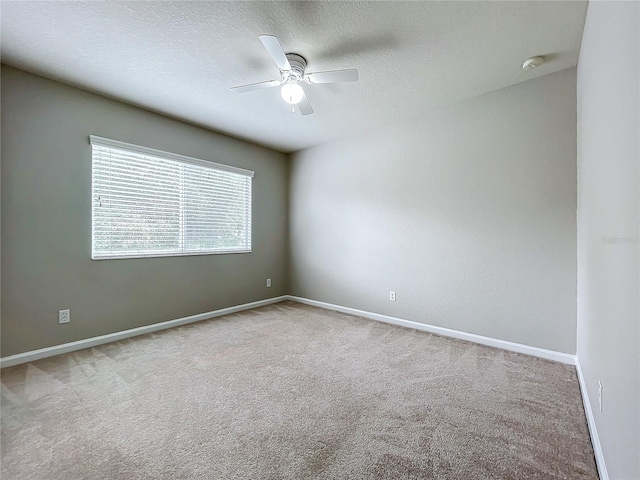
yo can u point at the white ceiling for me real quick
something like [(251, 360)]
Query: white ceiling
[(180, 58)]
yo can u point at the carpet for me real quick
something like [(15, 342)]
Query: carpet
[(290, 391)]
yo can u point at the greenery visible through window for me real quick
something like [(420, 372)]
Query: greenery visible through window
[(151, 203)]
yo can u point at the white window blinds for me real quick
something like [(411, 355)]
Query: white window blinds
[(148, 203)]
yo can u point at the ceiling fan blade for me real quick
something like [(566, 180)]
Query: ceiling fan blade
[(333, 76), (304, 106), (272, 44), (256, 86)]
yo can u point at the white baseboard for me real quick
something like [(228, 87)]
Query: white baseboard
[(447, 332), (112, 337), (591, 422)]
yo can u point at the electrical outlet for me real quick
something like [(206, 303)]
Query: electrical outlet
[(600, 394), (392, 296), (268, 282), (64, 316)]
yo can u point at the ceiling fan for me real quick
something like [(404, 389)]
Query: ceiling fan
[(292, 75)]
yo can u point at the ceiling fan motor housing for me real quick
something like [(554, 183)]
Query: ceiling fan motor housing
[(298, 65)]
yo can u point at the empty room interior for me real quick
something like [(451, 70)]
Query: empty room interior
[(320, 240)]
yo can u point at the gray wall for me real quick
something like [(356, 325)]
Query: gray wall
[(608, 228), (46, 221), (469, 213)]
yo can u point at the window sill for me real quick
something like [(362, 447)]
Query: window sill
[(161, 255)]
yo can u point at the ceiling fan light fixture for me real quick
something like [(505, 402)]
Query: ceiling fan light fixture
[(292, 93), (293, 69)]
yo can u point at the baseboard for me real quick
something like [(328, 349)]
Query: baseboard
[(112, 337), (447, 332), (591, 422)]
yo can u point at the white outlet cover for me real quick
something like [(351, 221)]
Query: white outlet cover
[(268, 282), (64, 316), (392, 296)]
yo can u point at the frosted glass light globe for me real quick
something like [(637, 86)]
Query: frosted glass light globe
[(292, 93)]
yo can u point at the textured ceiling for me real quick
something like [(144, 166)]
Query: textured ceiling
[(180, 58)]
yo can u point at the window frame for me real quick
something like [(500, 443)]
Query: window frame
[(132, 148)]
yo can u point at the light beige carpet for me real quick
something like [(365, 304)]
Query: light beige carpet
[(293, 392)]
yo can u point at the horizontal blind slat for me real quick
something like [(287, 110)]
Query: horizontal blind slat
[(131, 194)]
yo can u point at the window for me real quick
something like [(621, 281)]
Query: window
[(148, 203)]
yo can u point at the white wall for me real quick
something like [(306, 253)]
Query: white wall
[(469, 213), (608, 227)]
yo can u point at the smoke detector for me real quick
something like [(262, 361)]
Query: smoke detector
[(533, 62)]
